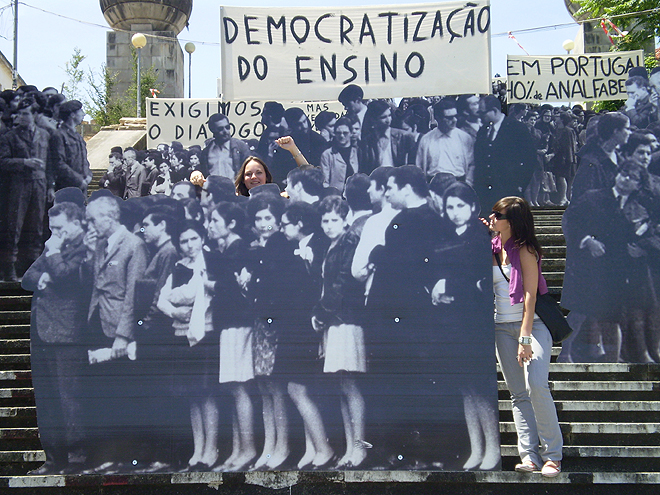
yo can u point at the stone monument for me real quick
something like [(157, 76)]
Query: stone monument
[(161, 21)]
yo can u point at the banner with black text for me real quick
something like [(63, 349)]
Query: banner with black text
[(564, 78), (394, 50)]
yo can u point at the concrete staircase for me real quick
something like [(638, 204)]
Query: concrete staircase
[(609, 415)]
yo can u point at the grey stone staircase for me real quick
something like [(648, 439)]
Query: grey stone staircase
[(609, 415)]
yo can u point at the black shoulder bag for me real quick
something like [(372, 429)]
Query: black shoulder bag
[(549, 312)]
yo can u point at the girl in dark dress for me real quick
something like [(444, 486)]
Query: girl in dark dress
[(184, 299), (336, 315), (296, 361), (231, 313), (263, 281), (464, 288)]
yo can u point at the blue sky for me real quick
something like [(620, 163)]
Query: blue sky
[(47, 41)]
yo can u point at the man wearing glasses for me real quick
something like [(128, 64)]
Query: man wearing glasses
[(446, 148), (223, 155)]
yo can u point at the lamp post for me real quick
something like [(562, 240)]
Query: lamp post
[(139, 41), (14, 72), (190, 48), (568, 45)]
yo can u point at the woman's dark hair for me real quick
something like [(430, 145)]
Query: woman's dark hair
[(369, 141), (333, 204), (157, 158), (635, 140), (182, 157), (610, 122), (184, 226), (306, 214), (323, 119), (417, 115), (274, 204), (192, 209), (239, 181), (231, 211), (465, 193), (521, 220)]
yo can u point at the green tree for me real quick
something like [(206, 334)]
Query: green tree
[(75, 74), (148, 81), (99, 105), (642, 28), (101, 102)]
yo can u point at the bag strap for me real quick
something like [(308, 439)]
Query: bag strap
[(499, 263)]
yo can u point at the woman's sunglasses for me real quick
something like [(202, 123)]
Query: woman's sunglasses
[(498, 215)]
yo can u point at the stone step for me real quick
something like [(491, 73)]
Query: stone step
[(18, 362), (551, 239), (14, 331), (554, 265), (15, 303), (598, 406), (19, 433), (15, 376), (12, 289), (16, 393), (554, 251), (12, 456), (597, 451), (14, 346), (604, 371), (548, 229), (18, 412), (551, 276), (14, 317), (492, 482), (601, 390), (597, 428)]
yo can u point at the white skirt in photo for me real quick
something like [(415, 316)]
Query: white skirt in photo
[(344, 349), (236, 363)]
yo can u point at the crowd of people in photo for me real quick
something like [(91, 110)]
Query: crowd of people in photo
[(549, 155), (230, 302), (611, 228), (336, 284), (40, 153)]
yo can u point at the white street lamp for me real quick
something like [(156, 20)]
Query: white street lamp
[(190, 48), (139, 41)]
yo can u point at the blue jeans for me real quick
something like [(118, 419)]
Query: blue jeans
[(534, 410)]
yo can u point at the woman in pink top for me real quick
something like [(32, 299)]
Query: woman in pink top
[(522, 340)]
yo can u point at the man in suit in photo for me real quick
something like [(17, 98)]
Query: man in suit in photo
[(606, 269), (68, 151), (117, 259), (222, 155), (136, 174), (56, 332), (401, 323), (504, 157)]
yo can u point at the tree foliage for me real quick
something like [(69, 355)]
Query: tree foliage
[(101, 102), (75, 74), (642, 28)]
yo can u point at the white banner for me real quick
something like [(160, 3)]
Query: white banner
[(564, 78), (388, 50), (184, 120)]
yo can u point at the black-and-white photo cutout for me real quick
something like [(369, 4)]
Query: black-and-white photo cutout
[(263, 332), (320, 298)]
